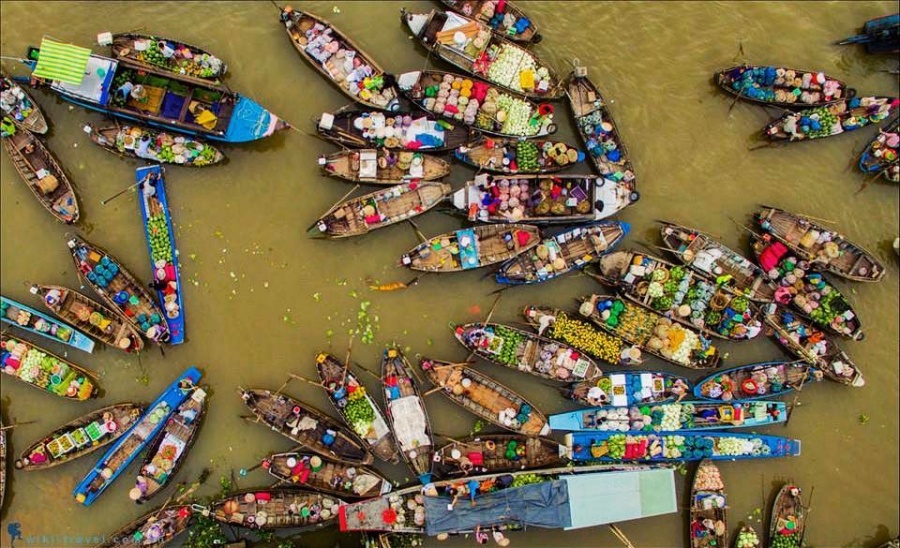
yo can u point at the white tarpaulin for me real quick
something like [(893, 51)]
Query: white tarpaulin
[(409, 422)]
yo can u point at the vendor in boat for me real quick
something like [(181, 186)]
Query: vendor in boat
[(679, 389)]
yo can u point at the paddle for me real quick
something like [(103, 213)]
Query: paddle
[(258, 466), (347, 362), (620, 535), (304, 379), (10, 426), (123, 191), (433, 390), (808, 512), (421, 236)]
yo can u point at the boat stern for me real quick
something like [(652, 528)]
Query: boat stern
[(250, 122)]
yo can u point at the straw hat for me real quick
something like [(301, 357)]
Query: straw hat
[(368, 210), (542, 251), (559, 263)]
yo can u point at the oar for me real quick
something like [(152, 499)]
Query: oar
[(745, 227), (117, 194), (342, 198), (347, 362), (433, 390), (258, 466), (620, 535), (446, 437), (304, 379), (808, 512), (821, 220), (421, 236), (10, 426), (736, 99)]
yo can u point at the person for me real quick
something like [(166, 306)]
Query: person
[(596, 396), (499, 538), (473, 490), (124, 90), (679, 388), (481, 537), (143, 148), (753, 329), (166, 49), (158, 285), (453, 492)]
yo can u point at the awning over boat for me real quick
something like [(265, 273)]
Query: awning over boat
[(97, 78), (62, 62), (598, 499)]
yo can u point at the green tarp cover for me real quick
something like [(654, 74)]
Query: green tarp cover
[(598, 499), (61, 62)]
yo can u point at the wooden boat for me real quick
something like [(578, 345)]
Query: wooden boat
[(407, 414), (708, 525), (79, 437), (400, 130), (326, 475), (170, 448), (343, 62), (517, 156), (359, 411), (156, 528), (468, 248), (162, 147), (485, 397), (489, 109), (361, 215), (526, 351), (810, 295), (598, 130), (519, 28), (119, 289), (755, 381), (276, 508), (20, 107), (630, 388), (581, 335), (150, 51), (495, 453), (136, 439), (679, 293), (881, 155), (307, 426), (880, 35), (512, 66), (770, 85), (787, 521), (382, 167), (818, 245), (541, 199), (46, 371), (99, 321), (834, 119), (562, 251), (703, 254), (42, 173), (38, 323), (160, 234), (747, 538)]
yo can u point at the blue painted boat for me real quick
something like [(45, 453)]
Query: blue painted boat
[(880, 35), (29, 319), (624, 388), (633, 446), (755, 381), (161, 245), (880, 156), (120, 455)]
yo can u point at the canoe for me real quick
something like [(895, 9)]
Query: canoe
[(495, 453), (820, 246), (489, 109), (679, 293), (525, 351), (150, 51), (514, 67), (339, 59), (119, 289), (20, 107), (755, 381), (45, 371), (504, 18), (782, 86), (575, 332), (276, 508), (881, 155), (354, 404), (469, 248), (541, 199), (598, 130), (702, 253), (787, 522), (562, 251), (747, 538), (167, 453), (624, 388), (38, 323), (79, 437), (400, 130), (517, 156), (382, 167), (136, 439), (708, 525), (363, 214), (307, 426), (101, 322), (163, 147), (41, 171), (311, 471), (809, 293), (156, 528), (407, 414), (834, 119), (160, 234), (880, 35), (486, 398), (651, 332)]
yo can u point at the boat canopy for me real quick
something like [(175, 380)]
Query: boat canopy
[(598, 499), (96, 80), (62, 62)]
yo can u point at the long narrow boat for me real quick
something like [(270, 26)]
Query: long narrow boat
[(41, 369), (625, 388), (170, 55), (383, 167), (307, 426), (153, 145), (782, 86), (103, 323), (20, 107), (708, 526), (40, 170), (880, 35), (407, 414), (562, 251), (466, 44), (361, 215), (702, 253), (79, 437), (820, 246), (400, 130), (542, 199), (485, 397), (834, 119), (339, 59), (38, 323), (160, 234), (882, 156), (312, 471), (526, 351), (358, 409), (517, 156), (787, 522), (505, 18), (495, 453), (579, 334), (169, 450), (118, 288), (469, 248), (156, 528), (755, 381), (136, 439), (276, 508)]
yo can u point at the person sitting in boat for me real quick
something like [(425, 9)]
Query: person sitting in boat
[(124, 91), (597, 397), (143, 149), (7, 127)]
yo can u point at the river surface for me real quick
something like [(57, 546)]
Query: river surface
[(262, 298)]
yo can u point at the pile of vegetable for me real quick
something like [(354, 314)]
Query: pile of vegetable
[(158, 235), (586, 338), (747, 538), (44, 371), (791, 540), (359, 412), (528, 479), (616, 445), (200, 65), (819, 122), (170, 149), (512, 340), (527, 156)]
